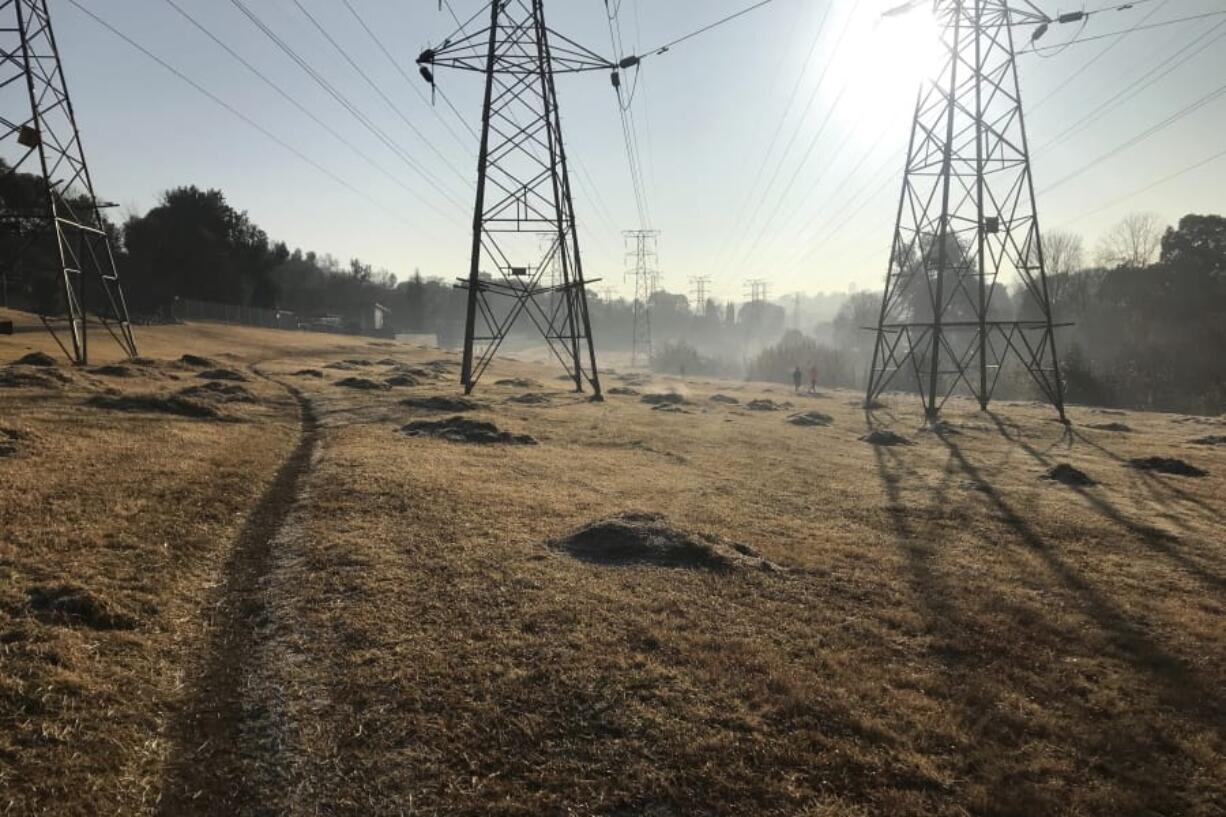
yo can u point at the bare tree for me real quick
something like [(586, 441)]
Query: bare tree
[(1134, 242), (1062, 252)]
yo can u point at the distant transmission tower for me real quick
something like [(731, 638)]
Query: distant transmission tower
[(756, 290), (641, 258), (699, 292), (966, 216), (39, 135), (523, 190)]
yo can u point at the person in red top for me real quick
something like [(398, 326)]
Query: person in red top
[(813, 379)]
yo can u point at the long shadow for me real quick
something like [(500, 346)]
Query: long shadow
[(1157, 540), (969, 700), (1153, 481), (1179, 684)]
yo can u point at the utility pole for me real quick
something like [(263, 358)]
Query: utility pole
[(641, 257), (967, 216), (523, 191), (41, 137)]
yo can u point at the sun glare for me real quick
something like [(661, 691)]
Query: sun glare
[(885, 59)]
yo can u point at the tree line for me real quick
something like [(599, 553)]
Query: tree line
[(1148, 309)]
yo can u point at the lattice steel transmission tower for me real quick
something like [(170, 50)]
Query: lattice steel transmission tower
[(700, 284), (523, 190), (642, 257), (967, 219), (58, 222)]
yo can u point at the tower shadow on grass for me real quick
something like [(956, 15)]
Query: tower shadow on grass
[(1177, 682)]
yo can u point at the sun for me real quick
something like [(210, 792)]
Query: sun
[(884, 60)]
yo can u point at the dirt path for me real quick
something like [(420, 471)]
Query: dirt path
[(224, 726)]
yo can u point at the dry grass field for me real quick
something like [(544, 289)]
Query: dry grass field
[(265, 598)]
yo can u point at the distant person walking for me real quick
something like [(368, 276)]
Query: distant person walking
[(813, 379), (796, 377)]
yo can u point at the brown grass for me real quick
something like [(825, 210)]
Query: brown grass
[(953, 634)]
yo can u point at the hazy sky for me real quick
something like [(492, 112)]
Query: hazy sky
[(706, 114)]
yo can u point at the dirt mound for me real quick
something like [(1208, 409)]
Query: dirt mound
[(18, 376), (175, 404), (362, 383), (72, 605), (441, 402), (402, 379), (308, 373), (670, 408), (223, 374), (464, 430), (40, 359), (357, 361), (387, 361), (442, 364), (663, 398), (218, 392), (883, 437), (114, 370), (9, 437), (811, 418), (1200, 421), (1108, 426), (1066, 474), (340, 365), (414, 371), (1212, 439), (518, 383), (648, 539), (723, 398), (1167, 465), (624, 391), (531, 399), (763, 404), (634, 379), (197, 362)]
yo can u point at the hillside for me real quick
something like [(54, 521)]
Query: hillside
[(269, 596)]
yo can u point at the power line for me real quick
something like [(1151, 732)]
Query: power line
[(813, 96), (408, 80), (726, 243), (1142, 136), (375, 87), (293, 101), (226, 105), (1093, 37), (344, 102), (1134, 88), (1170, 177), (636, 175), (1064, 83), (668, 45)]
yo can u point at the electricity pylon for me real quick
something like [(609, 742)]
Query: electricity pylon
[(700, 283), (39, 135), (641, 255), (967, 218), (523, 191)]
